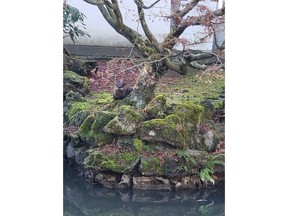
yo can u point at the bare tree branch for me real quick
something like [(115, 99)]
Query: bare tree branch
[(198, 66), (192, 57), (145, 27), (188, 7), (190, 21), (148, 7)]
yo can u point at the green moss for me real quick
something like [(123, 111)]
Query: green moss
[(72, 76), (130, 113), (120, 163), (78, 107), (189, 111), (163, 130), (86, 126), (173, 120), (157, 107), (150, 148), (196, 87), (96, 136), (125, 123), (109, 165), (138, 144), (151, 166), (91, 129), (90, 104), (218, 104), (101, 119)]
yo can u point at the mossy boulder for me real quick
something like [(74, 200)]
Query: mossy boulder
[(73, 64), (173, 163), (151, 166), (168, 131), (125, 123), (189, 112), (91, 130), (156, 108), (73, 82), (79, 110), (122, 162)]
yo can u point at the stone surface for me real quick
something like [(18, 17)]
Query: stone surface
[(157, 108), (91, 130), (125, 123), (122, 162), (151, 183), (168, 131)]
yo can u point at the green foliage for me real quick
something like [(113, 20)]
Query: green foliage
[(73, 22), (149, 148), (208, 170), (187, 157)]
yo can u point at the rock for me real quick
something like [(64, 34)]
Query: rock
[(77, 111), (168, 131), (70, 153), (143, 91), (107, 180), (190, 114), (125, 123), (91, 131), (151, 166), (125, 181), (121, 162), (74, 155), (156, 108), (73, 82), (208, 139), (75, 65), (151, 183)]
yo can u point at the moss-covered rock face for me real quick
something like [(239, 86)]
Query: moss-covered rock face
[(156, 108), (74, 82), (189, 112), (173, 163), (168, 130), (80, 109), (125, 123), (91, 129), (122, 162), (151, 166)]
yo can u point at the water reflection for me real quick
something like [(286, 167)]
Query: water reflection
[(84, 199)]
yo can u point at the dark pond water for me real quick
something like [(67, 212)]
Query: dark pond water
[(82, 198)]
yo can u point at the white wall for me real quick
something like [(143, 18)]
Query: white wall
[(103, 34)]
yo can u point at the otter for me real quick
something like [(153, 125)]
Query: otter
[(121, 90)]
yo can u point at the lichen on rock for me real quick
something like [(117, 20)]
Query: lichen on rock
[(91, 129), (168, 131), (121, 162), (156, 107), (125, 123)]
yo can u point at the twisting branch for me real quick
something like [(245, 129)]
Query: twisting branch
[(192, 57), (190, 21), (148, 7), (188, 7), (145, 27), (115, 7)]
